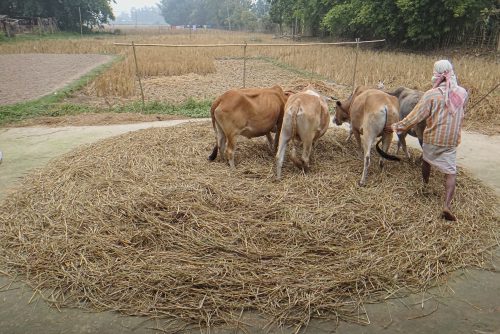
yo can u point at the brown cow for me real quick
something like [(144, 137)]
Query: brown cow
[(250, 112), (371, 113), (307, 119)]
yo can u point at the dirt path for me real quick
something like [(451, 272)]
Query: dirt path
[(30, 76), (469, 304)]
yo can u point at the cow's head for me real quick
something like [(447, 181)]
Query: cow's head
[(341, 112), (287, 94)]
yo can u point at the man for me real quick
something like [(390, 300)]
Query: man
[(443, 109)]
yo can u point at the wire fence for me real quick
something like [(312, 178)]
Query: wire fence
[(244, 47)]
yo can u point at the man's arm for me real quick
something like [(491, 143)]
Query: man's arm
[(421, 111)]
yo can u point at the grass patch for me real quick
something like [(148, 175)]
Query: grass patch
[(22, 111), (190, 108), (37, 37), (46, 36)]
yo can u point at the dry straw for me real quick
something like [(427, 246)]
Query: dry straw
[(143, 224)]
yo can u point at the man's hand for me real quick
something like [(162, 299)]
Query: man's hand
[(396, 129)]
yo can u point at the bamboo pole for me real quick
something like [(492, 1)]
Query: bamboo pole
[(138, 75), (81, 27), (244, 64), (355, 64), (241, 44)]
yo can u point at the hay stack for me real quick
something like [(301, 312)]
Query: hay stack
[(145, 225)]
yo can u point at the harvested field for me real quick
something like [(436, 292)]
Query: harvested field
[(30, 76), (228, 75), (144, 225), (483, 118)]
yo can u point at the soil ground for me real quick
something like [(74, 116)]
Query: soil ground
[(470, 303), (30, 76)]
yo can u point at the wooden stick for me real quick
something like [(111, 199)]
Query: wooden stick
[(138, 75), (240, 44), (244, 63), (355, 65)]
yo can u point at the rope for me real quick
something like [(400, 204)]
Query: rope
[(481, 100)]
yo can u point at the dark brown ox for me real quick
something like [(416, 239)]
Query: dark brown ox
[(371, 113), (306, 119), (408, 99), (250, 112)]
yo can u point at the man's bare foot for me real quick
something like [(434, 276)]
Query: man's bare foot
[(448, 215)]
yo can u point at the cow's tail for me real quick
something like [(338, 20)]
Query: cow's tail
[(295, 111), (377, 146), (213, 155), (294, 108), (385, 155)]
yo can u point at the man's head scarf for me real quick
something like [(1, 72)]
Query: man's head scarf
[(444, 77)]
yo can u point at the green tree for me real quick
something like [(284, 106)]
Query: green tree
[(94, 12), (281, 12), (178, 12), (234, 13), (420, 23), (426, 21), (365, 19)]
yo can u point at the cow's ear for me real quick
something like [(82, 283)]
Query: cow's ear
[(339, 103)]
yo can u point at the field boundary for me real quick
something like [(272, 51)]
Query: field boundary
[(244, 45)]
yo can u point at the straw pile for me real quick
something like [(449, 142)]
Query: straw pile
[(143, 224), (485, 116)]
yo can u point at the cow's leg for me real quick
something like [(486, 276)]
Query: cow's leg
[(231, 143), (293, 156), (358, 140), (367, 145), (221, 141), (402, 143), (271, 142), (306, 153), (350, 135), (386, 143), (312, 156)]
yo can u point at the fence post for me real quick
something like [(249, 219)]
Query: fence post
[(355, 65), (244, 64), (138, 75), (40, 25), (81, 27)]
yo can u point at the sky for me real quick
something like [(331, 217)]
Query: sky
[(126, 5)]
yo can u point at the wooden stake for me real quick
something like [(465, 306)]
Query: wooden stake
[(81, 27), (244, 64), (138, 75), (355, 65)]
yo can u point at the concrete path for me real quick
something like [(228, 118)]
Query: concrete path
[(469, 304)]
